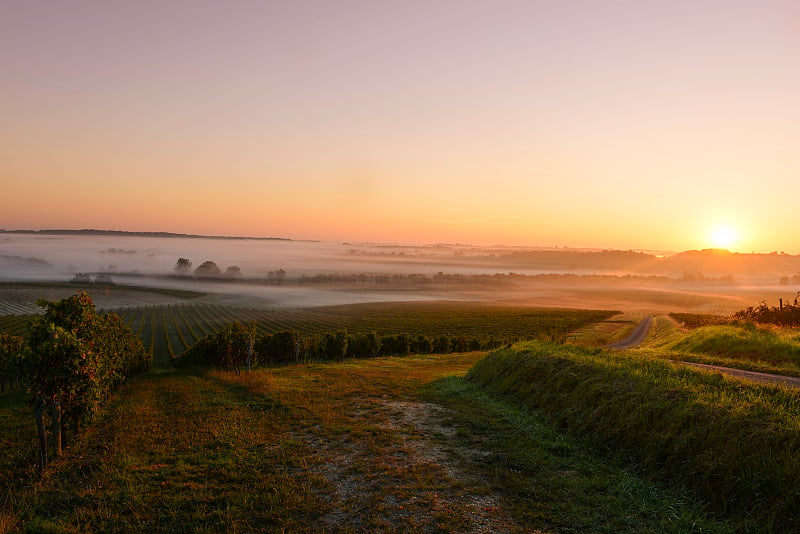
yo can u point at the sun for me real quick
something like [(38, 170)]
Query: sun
[(723, 236)]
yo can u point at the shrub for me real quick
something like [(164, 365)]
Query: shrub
[(11, 354), (279, 347), (364, 345), (232, 348), (77, 357), (395, 345)]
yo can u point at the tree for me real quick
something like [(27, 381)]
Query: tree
[(233, 272), (182, 266), (208, 269), (276, 277)]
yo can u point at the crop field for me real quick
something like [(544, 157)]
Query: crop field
[(20, 299), (464, 441), (168, 321), (167, 330)]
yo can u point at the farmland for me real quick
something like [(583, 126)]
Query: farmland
[(168, 329), (537, 436), (387, 444)]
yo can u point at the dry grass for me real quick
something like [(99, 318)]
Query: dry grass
[(381, 445)]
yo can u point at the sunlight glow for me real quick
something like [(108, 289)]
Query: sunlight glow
[(723, 236)]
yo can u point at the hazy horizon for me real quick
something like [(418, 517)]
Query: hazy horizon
[(324, 273), (629, 125)]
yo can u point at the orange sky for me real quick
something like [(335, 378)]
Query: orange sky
[(618, 124)]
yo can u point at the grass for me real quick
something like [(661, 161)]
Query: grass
[(598, 334), (17, 441), (693, 320), (765, 349), (552, 480), (731, 444), (387, 444)]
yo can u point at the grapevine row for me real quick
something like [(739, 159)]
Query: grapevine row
[(167, 330)]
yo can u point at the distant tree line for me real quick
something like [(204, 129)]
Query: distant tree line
[(689, 276), (207, 269), (86, 278), (441, 278), (210, 270), (786, 280)]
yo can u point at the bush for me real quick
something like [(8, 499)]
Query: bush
[(422, 345), (786, 315), (11, 354), (279, 347), (77, 357), (441, 345), (396, 345), (232, 348), (366, 345), (334, 345)]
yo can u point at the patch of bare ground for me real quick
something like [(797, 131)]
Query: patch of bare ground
[(403, 475)]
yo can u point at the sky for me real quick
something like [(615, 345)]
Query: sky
[(628, 124)]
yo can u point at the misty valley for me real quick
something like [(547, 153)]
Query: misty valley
[(171, 383)]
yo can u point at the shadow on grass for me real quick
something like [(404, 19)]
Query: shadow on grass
[(256, 402), (549, 480)]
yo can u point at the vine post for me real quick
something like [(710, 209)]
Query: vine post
[(250, 348), (38, 412), (55, 416)]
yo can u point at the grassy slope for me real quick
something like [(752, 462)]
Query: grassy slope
[(734, 445), (756, 348), (397, 444)]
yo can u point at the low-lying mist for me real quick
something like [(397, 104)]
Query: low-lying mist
[(285, 273)]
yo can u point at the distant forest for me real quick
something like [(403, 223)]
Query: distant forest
[(121, 233)]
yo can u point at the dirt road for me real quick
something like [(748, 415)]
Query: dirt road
[(765, 378), (636, 337), (640, 332)]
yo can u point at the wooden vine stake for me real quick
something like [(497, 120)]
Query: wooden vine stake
[(38, 411), (250, 351), (55, 415)]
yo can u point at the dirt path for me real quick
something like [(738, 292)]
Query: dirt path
[(749, 375), (636, 337), (641, 330)]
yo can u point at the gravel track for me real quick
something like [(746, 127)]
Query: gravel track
[(640, 332)]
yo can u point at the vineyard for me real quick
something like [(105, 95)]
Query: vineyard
[(167, 330)]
